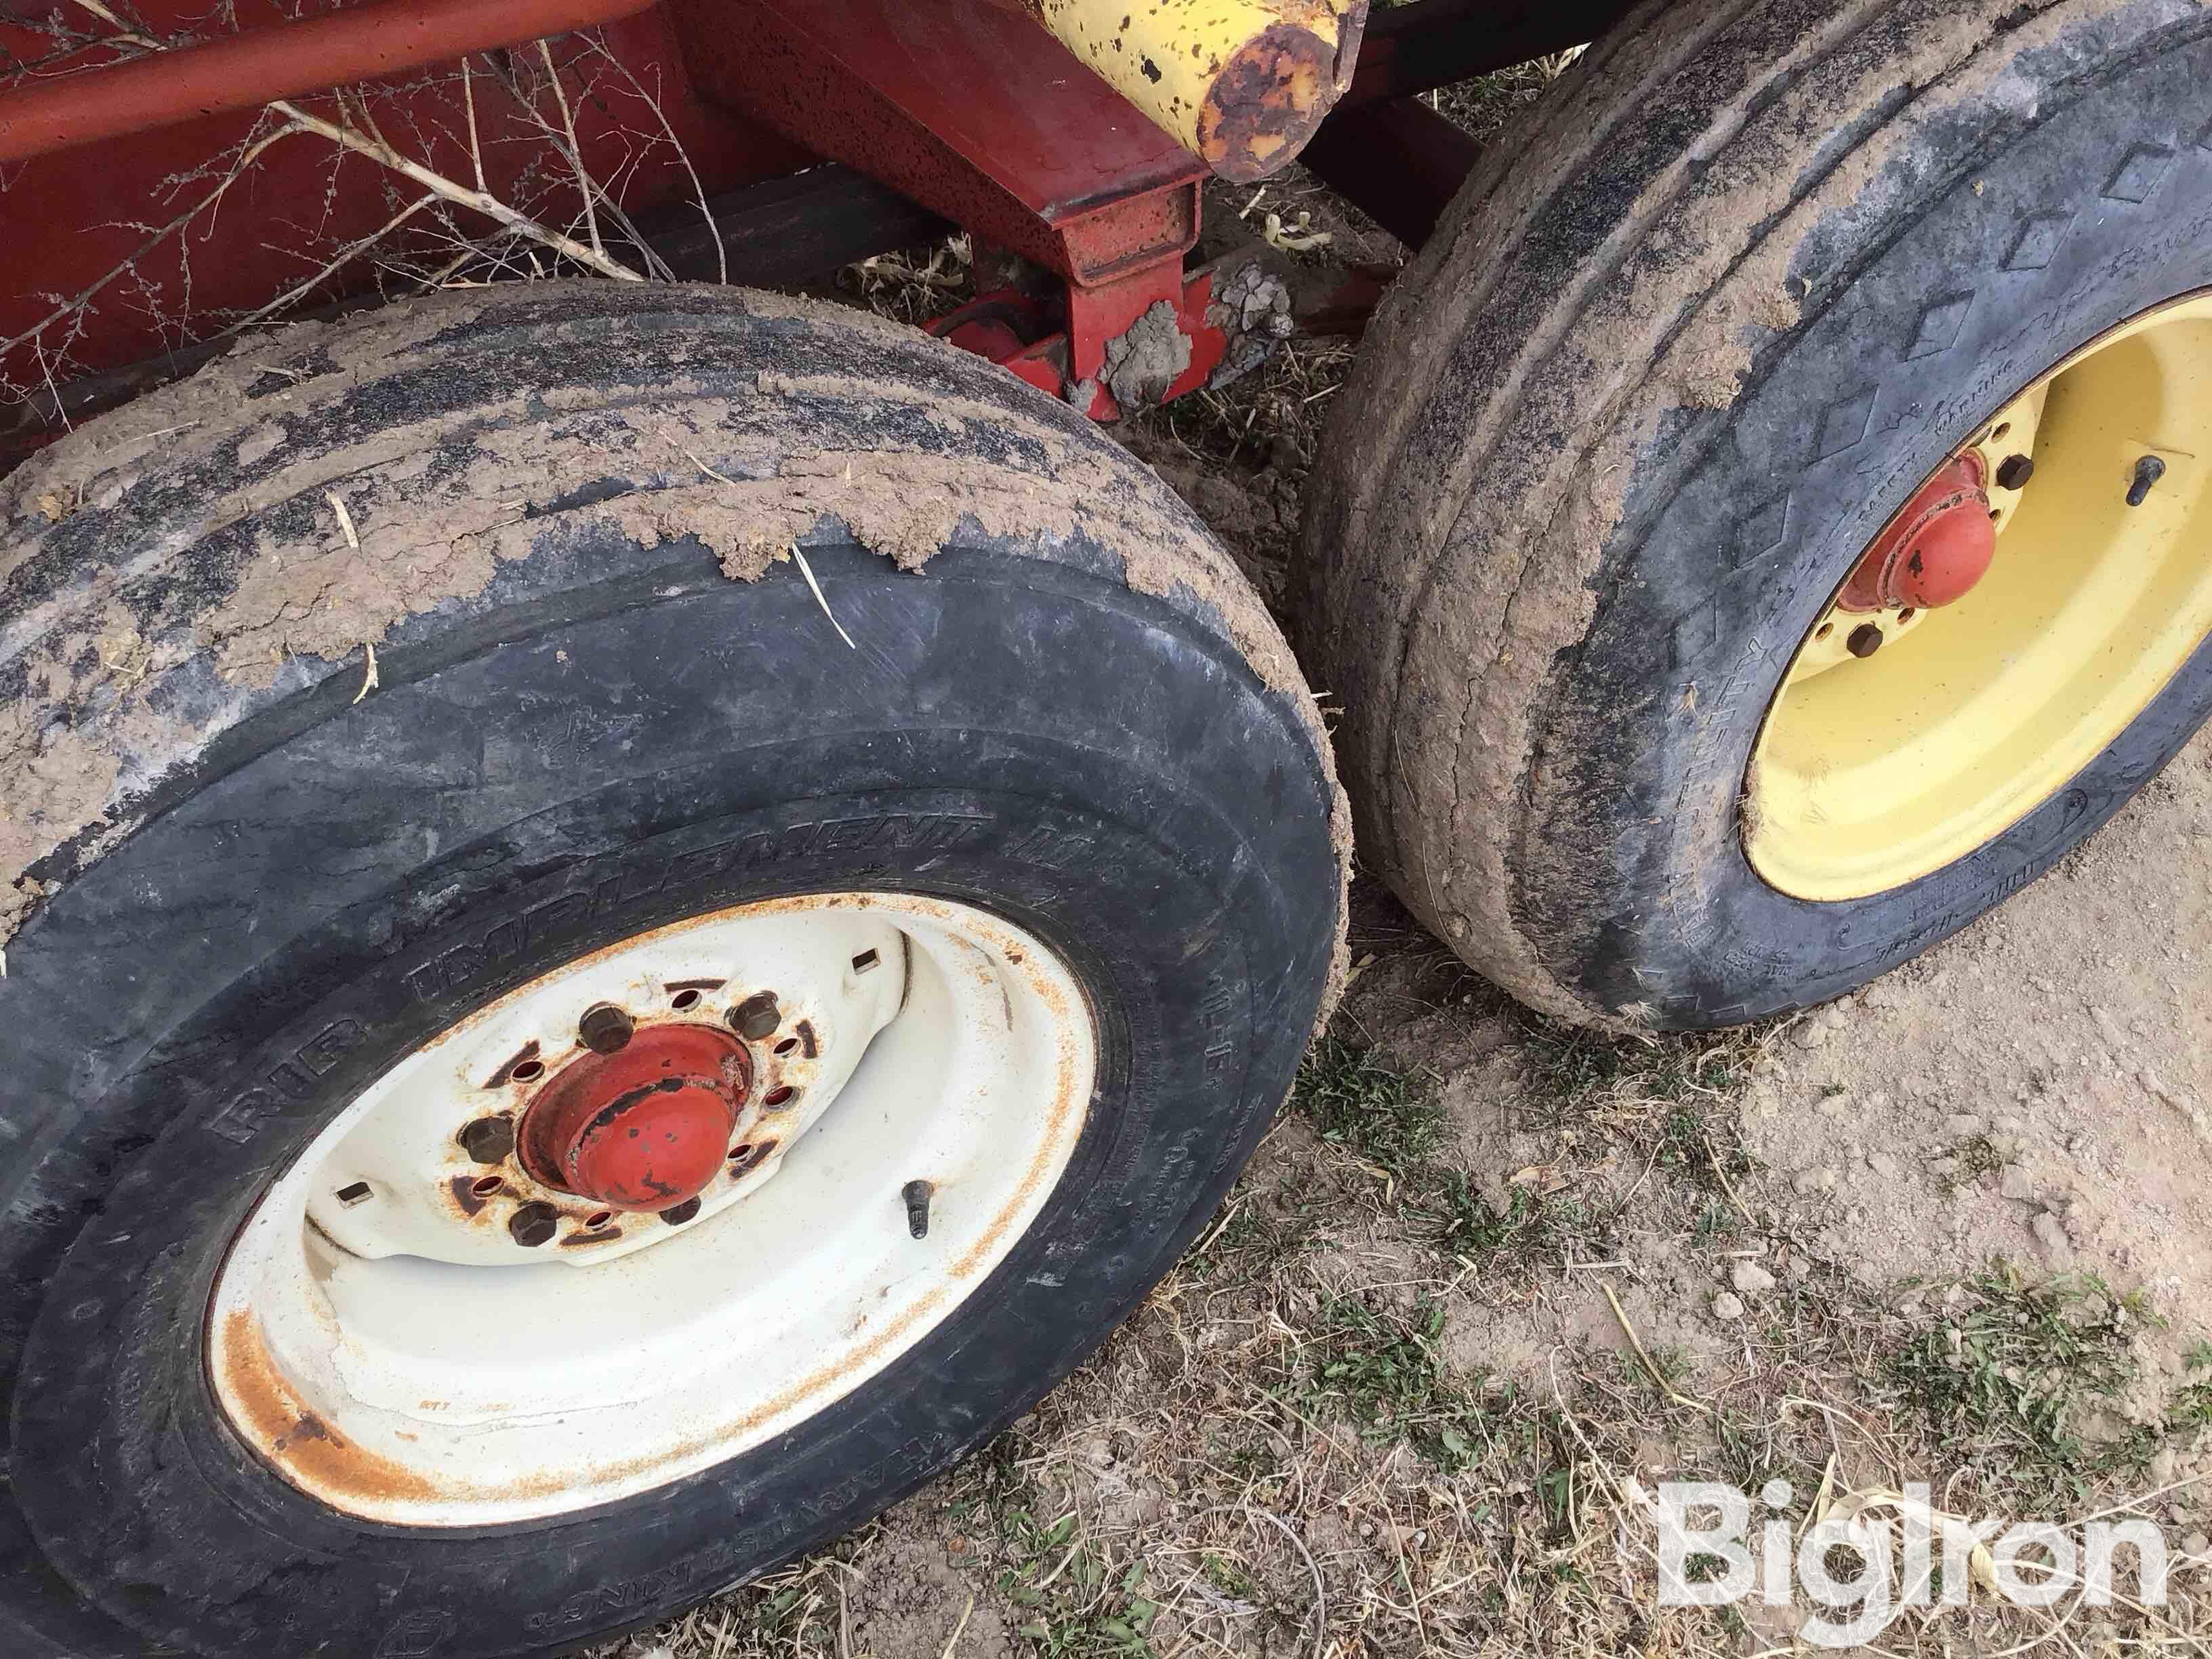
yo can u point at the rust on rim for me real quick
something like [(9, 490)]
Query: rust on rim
[(646, 1128), (285, 1430)]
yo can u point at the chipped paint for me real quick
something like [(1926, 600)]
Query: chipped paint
[(1241, 84)]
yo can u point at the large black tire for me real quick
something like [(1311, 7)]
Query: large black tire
[(253, 890), (1675, 356)]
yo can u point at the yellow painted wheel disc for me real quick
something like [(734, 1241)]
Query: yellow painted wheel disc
[(1872, 771)]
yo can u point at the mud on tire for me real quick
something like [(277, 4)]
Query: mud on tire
[(604, 704), (1675, 358)]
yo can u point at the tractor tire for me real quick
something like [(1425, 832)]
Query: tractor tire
[(1679, 353), (726, 648)]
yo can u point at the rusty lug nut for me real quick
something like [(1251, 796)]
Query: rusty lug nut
[(1865, 640), (2015, 470), (677, 1214), (2149, 471), (757, 1016), (606, 1030), (533, 1225), (488, 1140), (917, 1195)]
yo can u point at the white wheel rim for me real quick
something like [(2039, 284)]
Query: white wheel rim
[(408, 1361)]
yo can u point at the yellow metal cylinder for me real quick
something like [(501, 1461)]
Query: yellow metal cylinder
[(1241, 84)]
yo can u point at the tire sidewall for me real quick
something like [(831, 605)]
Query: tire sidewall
[(2029, 252)]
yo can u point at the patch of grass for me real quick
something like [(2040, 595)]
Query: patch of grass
[(1357, 1101), (1079, 1604), (1361, 1105), (1717, 1223), (1379, 1369), (1978, 1157), (1574, 1064), (1576, 1073), (1467, 1226), (1229, 1578), (2008, 1375), (2190, 1407), (1263, 1231)]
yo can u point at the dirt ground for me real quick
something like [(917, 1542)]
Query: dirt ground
[(1489, 1281)]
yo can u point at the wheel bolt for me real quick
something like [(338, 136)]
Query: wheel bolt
[(677, 1214), (606, 1030), (917, 1195), (488, 1140), (2015, 470), (1865, 640), (757, 1016), (2149, 471), (533, 1225)]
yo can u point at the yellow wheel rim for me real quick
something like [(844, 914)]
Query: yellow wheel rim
[(1872, 772)]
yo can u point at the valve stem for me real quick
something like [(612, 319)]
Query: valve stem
[(2149, 471), (917, 1195)]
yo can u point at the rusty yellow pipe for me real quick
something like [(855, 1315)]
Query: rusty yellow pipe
[(1241, 84)]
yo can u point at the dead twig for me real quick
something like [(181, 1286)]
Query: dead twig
[(1651, 1368), (951, 1640), (368, 680), (807, 571), (1320, 1590)]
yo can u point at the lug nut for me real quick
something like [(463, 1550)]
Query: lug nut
[(606, 1030), (2015, 470), (1865, 640), (677, 1214), (2149, 471), (917, 1195), (488, 1140), (533, 1225), (757, 1016)]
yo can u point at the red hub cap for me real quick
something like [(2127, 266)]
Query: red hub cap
[(1932, 552), (645, 1128)]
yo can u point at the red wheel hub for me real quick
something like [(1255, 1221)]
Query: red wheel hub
[(645, 1128), (1934, 550)]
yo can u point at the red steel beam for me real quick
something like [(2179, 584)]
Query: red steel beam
[(975, 112), (285, 60)]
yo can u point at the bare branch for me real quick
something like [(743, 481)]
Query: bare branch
[(476, 140), (584, 179), (698, 190), (478, 201), (344, 256)]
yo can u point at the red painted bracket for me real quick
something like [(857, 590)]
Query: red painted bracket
[(1017, 332), (976, 112)]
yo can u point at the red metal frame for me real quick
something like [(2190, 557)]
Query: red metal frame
[(976, 112), (967, 107)]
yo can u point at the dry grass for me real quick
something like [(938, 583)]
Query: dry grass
[(1296, 1447)]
